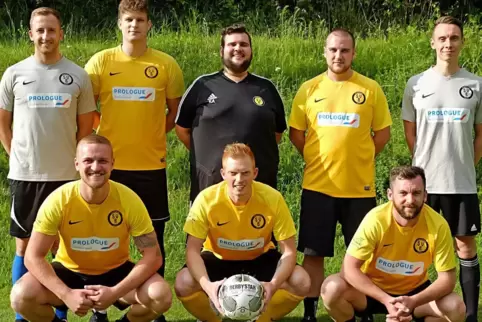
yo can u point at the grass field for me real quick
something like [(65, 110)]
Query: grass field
[(288, 61)]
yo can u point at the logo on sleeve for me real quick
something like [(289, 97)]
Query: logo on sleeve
[(91, 244), (338, 119), (448, 115), (401, 267), (49, 100), (146, 94), (466, 92)]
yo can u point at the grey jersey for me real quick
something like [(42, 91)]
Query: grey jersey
[(445, 110), (45, 101)]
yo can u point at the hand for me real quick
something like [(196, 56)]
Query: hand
[(212, 289), (397, 312), (269, 290), (103, 296), (78, 301)]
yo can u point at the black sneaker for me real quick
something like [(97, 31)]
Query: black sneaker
[(98, 317), (367, 318)]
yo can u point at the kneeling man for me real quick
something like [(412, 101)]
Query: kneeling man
[(95, 219), (229, 227), (385, 268)]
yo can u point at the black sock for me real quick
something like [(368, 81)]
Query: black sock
[(311, 305), (470, 283), (56, 319)]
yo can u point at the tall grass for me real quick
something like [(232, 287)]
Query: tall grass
[(288, 57)]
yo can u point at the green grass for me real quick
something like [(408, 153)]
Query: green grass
[(288, 61)]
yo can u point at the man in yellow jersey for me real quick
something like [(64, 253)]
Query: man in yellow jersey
[(233, 222), (386, 266), (95, 218), (331, 124), (133, 84)]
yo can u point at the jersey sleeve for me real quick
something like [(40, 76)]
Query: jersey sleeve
[(6, 91), (188, 105), (284, 226), (197, 224), (138, 218), (279, 110), (381, 112), (408, 110), (94, 70), (49, 216), (478, 111), (298, 109), (175, 85), (85, 101), (444, 258), (365, 240)]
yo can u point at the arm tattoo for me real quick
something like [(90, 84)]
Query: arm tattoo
[(146, 241), (279, 263)]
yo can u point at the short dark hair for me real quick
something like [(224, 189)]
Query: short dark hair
[(343, 31), (237, 28), (45, 11), (449, 20), (134, 5), (407, 172)]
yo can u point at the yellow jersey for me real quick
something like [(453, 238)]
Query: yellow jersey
[(93, 238), (239, 232), (132, 93), (397, 258), (339, 118)]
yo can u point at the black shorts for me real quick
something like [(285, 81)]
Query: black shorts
[(319, 216), (27, 197), (150, 186), (262, 268), (375, 307), (75, 280), (461, 211)]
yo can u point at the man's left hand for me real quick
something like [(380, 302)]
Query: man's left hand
[(104, 296), (269, 290), (404, 304)]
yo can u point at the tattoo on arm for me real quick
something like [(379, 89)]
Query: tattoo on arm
[(279, 263), (146, 241)]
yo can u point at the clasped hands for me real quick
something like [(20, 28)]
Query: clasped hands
[(98, 297)]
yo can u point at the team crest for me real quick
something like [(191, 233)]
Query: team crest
[(358, 98), (258, 221), (115, 218), (258, 101), (466, 92), (66, 79), (420, 245), (151, 72)]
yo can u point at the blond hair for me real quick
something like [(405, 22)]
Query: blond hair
[(237, 150), (133, 5), (45, 11), (449, 20)]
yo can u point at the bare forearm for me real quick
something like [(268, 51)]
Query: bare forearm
[(363, 284), (196, 267), (6, 139), (286, 265), (379, 142), (144, 268), (170, 121), (477, 149), (45, 274), (438, 289), (299, 143), (184, 136)]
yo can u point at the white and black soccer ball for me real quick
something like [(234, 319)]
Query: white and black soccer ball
[(241, 298)]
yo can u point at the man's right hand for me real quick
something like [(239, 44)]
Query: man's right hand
[(77, 301), (397, 312), (212, 289)]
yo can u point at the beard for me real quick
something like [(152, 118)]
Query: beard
[(408, 213), (237, 68), (342, 71)]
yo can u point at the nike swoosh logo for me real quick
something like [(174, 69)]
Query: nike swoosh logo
[(74, 222), (112, 74), (26, 83), (222, 223), (386, 245), (319, 99), (425, 96)]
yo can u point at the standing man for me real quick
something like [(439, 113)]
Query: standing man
[(331, 125), (48, 99), (134, 84), (441, 107), (228, 106)]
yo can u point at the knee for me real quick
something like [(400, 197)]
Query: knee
[(300, 281), (21, 295), (160, 295), (466, 246), (184, 284), (333, 287), (452, 306)]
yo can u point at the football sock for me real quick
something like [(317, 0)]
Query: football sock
[(18, 270), (311, 306), (470, 283), (61, 314), (198, 305), (282, 303)]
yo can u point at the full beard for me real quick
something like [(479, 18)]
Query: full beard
[(236, 68)]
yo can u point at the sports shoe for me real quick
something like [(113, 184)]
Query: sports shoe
[(98, 317), (367, 318)]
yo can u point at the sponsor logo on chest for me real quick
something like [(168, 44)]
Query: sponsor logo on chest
[(400, 267), (448, 115), (242, 245), (49, 100), (146, 94), (91, 244), (338, 119)]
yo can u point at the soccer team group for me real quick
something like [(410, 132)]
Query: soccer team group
[(231, 122)]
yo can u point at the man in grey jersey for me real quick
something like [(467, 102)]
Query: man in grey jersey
[(441, 107), (49, 101)]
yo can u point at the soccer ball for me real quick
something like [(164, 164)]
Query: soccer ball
[(241, 298)]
